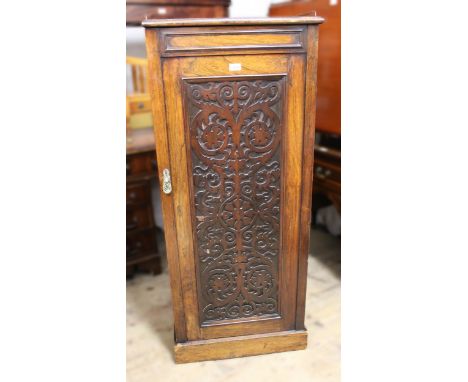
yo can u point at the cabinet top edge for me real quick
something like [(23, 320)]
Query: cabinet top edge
[(156, 23)]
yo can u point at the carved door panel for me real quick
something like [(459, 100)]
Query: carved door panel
[(235, 131)]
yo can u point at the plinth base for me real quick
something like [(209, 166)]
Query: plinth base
[(232, 347)]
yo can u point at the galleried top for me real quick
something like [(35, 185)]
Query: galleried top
[(232, 21)]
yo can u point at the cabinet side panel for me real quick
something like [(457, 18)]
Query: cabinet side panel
[(292, 187), (235, 128), (180, 194), (307, 171), (162, 150)]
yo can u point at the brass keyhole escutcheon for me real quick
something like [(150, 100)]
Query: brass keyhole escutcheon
[(166, 186)]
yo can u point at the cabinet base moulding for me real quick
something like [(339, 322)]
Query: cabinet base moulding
[(233, 347)]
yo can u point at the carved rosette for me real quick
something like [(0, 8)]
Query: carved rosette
[(235, 139)]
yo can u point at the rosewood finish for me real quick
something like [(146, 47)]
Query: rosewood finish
[(235, 130), (184, 42)]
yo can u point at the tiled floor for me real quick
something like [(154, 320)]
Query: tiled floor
[(150, 337)]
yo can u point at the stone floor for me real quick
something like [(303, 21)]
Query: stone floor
[(150, 336)]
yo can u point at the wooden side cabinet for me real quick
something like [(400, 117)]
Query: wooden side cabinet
[(235, 100)]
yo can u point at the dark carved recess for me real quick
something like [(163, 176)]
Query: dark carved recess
[(235, 134)]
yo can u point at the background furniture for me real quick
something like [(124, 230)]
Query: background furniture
[(327, 174), (327, 166), (139, 10), (138, 98), (235, 100), (142, 250)]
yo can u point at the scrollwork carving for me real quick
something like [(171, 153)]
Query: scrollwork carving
[(235, 139)]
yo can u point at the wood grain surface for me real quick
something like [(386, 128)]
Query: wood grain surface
[(240, 346), (235, 128), (233, 21)]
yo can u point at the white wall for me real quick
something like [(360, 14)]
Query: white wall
[(249, 8), (136, 42)]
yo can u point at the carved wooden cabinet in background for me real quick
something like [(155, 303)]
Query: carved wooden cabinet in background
[(235, 100)]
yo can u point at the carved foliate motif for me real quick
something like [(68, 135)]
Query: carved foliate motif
[(235, 138)]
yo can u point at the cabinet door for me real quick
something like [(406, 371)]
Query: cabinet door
[(235, 133)]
